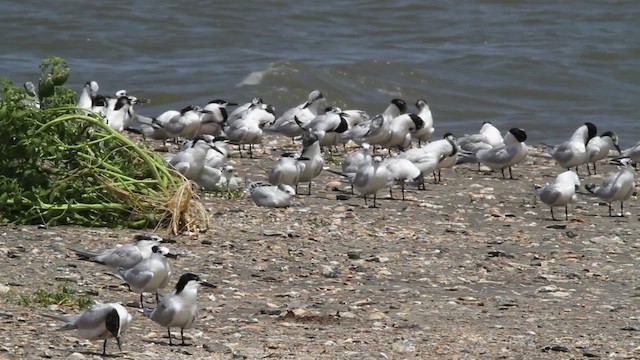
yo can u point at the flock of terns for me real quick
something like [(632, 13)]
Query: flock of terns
[(144, 266), (405, 136)]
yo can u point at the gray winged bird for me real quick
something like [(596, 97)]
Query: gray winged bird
[(99, 322), (179, 308)]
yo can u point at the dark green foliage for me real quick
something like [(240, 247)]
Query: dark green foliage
[(63, 165)]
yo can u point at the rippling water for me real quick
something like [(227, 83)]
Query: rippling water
[(546, 66)]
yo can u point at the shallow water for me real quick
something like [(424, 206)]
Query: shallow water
[(545, 67)]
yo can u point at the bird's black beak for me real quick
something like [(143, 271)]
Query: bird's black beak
[(208, 284)]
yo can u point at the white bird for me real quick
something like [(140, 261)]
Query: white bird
[(179, 308), (271, 196), (512, 152), (559, 193), (99, 322), (208, 178), (286, 170), (123, 256), (311, 160), (375, 131), (89, 91), (189, 162), (354, 118), (149, 275), (401, 171), (573, 152), (489, 136), (371, 177), (286, 124), (229, 181), (99, 105), (248, 128), (118, 116), (424, 112), (617, 187), (600, 146), (428, 157), (213, 121), (632, 153), (401, 130), (380, 131), (240, 111), (184, 123), (31, 97), (327, 126)]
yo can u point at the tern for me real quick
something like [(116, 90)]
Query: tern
[(99, 322), (279, 196), (286, 170), (149, 275), (617, 187), (123, 256), (512, 152), (287, 125), (559, 193), (424, 112), (600, 146), (179, 308), (371, 177), (573, 152)]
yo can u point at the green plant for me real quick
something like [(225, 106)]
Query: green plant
[(332, 159), (64, 165), (227, 193), (63, 296)]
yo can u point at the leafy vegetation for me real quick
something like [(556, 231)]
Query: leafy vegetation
[(64, 296), (64, 165)]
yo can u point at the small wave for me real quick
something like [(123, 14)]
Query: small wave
[(255, 77)]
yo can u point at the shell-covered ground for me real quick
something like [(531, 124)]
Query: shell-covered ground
[(470, 268)]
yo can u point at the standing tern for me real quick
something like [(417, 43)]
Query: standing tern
[(632, 153), (424, 112), (600, 146), (311, 160), (123, 256), (573, 152), (99, 322), (89, 91), (149, 275), (286, 170), (287, 125), (371, 177), (179, 308), (213, 121), (559, 193), (512, 152), (401, 171), (617, 187)]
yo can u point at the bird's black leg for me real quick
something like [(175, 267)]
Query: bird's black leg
[(588, 169), (609, 209), (435, 180), (157, 301), (621, 209), (510, 174), (566, 212), (439, 176), (182, 335), (141, 302), (309, 190), (594, 169), (504, 177), (104, 348), (169, 333), (552, 217), (391, 192), (402, 190)]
